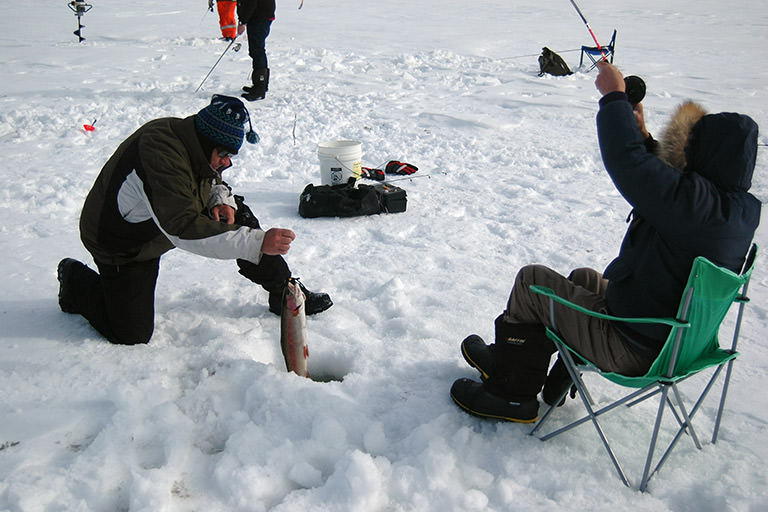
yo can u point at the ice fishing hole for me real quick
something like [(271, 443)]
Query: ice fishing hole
[(326, 368)]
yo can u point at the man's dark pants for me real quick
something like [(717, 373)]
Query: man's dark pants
[(258, 30), (119, 301), (594, 338)]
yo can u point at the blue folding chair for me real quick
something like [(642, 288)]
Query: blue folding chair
[(692, 346), (596, 54)]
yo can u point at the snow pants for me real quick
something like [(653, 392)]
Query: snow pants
[(227, 18), (594, 338)]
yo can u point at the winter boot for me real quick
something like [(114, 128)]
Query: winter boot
[(258, 91), (478, 354), (314, 302), (487, 358), (557, 383), (73, 276), (475, 398), (249, 88), (515, 366)]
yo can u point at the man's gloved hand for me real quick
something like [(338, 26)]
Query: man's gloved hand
[(244, 216), (210, 5)]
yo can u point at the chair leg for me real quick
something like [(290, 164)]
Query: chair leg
[(687, 425), (654, 436), (734, 343), (608, 448), (543, 419), (722, 402), (591, 414), (570, 365)]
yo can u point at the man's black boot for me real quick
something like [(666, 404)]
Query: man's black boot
[(249, 88), (475, 398), (514, 369), (557, 383), (478, 354), (257, 91), (487, 358), (314, 302), (72, 276)]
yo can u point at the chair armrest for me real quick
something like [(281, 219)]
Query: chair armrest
[(548, 292)]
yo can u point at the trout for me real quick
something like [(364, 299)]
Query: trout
[(293, 329)]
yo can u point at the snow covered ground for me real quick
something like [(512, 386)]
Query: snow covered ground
[(205, 416)]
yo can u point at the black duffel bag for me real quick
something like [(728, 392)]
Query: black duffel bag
[(346, 200)]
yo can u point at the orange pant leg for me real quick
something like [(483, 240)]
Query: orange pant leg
[(227, 17)]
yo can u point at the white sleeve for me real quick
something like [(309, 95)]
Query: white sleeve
[(243, 242)]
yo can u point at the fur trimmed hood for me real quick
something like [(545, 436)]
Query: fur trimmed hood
[(675, 136), (721, 147)]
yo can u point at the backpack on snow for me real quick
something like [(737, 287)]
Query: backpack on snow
[(552, 63)]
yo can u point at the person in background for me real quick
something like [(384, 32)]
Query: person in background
[(256, 16), (691, 201), (227, 17), (161, 189)]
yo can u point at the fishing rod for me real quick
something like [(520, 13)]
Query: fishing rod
[(591, 32), (412, 177), (537, 54), (236, 48)]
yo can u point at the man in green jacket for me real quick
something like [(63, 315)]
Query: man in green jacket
[(162, 188)]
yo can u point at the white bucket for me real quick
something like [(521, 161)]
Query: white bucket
[(339, 161)]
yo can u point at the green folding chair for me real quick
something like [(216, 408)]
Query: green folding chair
[(692, 346)]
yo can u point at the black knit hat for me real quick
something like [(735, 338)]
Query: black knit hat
[(223, 123)]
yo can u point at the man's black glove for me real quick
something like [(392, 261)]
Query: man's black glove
[(244, 216)]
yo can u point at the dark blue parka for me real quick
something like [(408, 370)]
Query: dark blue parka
[(704, 211)]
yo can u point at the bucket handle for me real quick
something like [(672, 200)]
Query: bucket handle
[(347, 168)]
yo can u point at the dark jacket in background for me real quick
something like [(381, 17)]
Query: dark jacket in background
[(248, 10)]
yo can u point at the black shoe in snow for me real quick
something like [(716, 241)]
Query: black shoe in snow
[(557, 383), (476, 399), (478, 354), (64, 274), (254, 94), (314, 303)]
